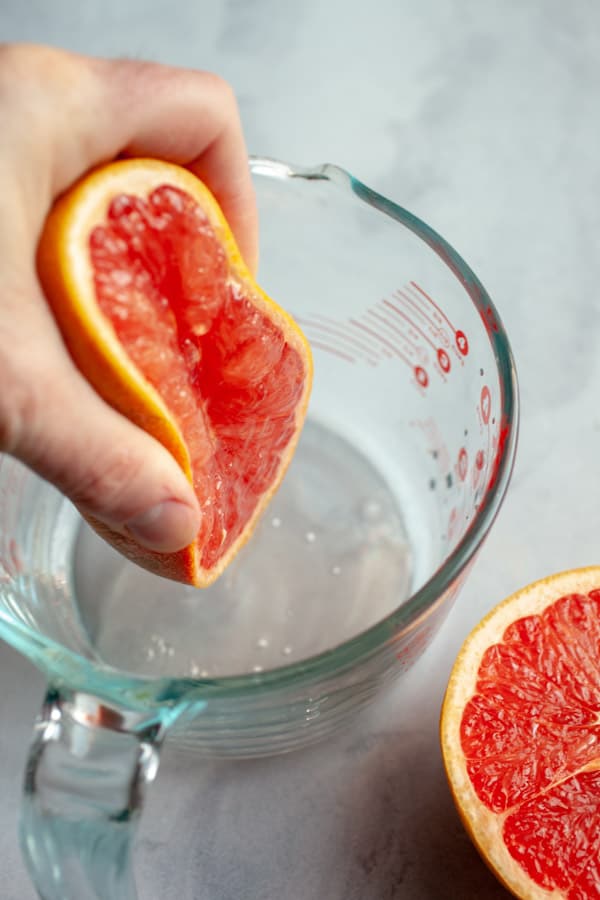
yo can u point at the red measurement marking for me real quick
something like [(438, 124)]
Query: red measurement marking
[(421, 376), (462, 342), (442, 356), (410, 321), (328, 349), (452, 523), (485, 404), (415, 304), (503, 435), (343, 330), (433, 303), (402, 297), (383, 340), (463, 464), (413, 344), (476, 478), (435, 327), (336, 331), (444, 360), (489, 320)]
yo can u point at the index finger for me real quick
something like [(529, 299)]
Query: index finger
[(193, 119), (147, 109)]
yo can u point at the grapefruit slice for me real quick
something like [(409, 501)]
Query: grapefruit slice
[(520, 736), (161, 315)]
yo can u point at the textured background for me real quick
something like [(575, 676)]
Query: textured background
[(482, 118)]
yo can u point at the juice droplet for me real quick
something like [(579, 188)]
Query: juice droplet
[(287, 650), (371, 510), (257, 668), (262, 642), (276, 522), (310, 537), (160, 644), (336, 570)]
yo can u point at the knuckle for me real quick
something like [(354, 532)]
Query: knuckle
[(220, 91), (218, 84)]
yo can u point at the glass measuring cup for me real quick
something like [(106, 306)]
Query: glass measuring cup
[(402, 466)]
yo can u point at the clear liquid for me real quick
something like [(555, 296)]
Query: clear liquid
[(330, 558)]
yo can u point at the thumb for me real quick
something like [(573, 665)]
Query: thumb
[(110, 469)]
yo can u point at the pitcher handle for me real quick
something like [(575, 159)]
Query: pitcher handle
[(87, 769)]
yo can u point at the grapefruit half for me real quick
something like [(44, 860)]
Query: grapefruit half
[(520, 736), (163, 318)]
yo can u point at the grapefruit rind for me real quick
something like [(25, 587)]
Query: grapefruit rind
[(67, 276), (483, 826)]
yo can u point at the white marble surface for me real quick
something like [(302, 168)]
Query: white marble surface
[(483, 118)]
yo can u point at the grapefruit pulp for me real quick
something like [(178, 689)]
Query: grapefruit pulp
[(161, 315), (520, 735)]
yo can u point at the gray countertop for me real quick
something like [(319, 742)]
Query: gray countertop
[(482, 118)]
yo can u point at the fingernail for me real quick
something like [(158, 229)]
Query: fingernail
[(166, 527)]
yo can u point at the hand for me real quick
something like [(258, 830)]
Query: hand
[(62, 114)]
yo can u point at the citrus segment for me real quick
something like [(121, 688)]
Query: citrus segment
[(162, 316), (520, 733)]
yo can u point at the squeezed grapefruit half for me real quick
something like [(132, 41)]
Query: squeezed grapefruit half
[(520, 735), (163, 318)]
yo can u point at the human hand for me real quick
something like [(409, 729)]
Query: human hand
[(61, 115)]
